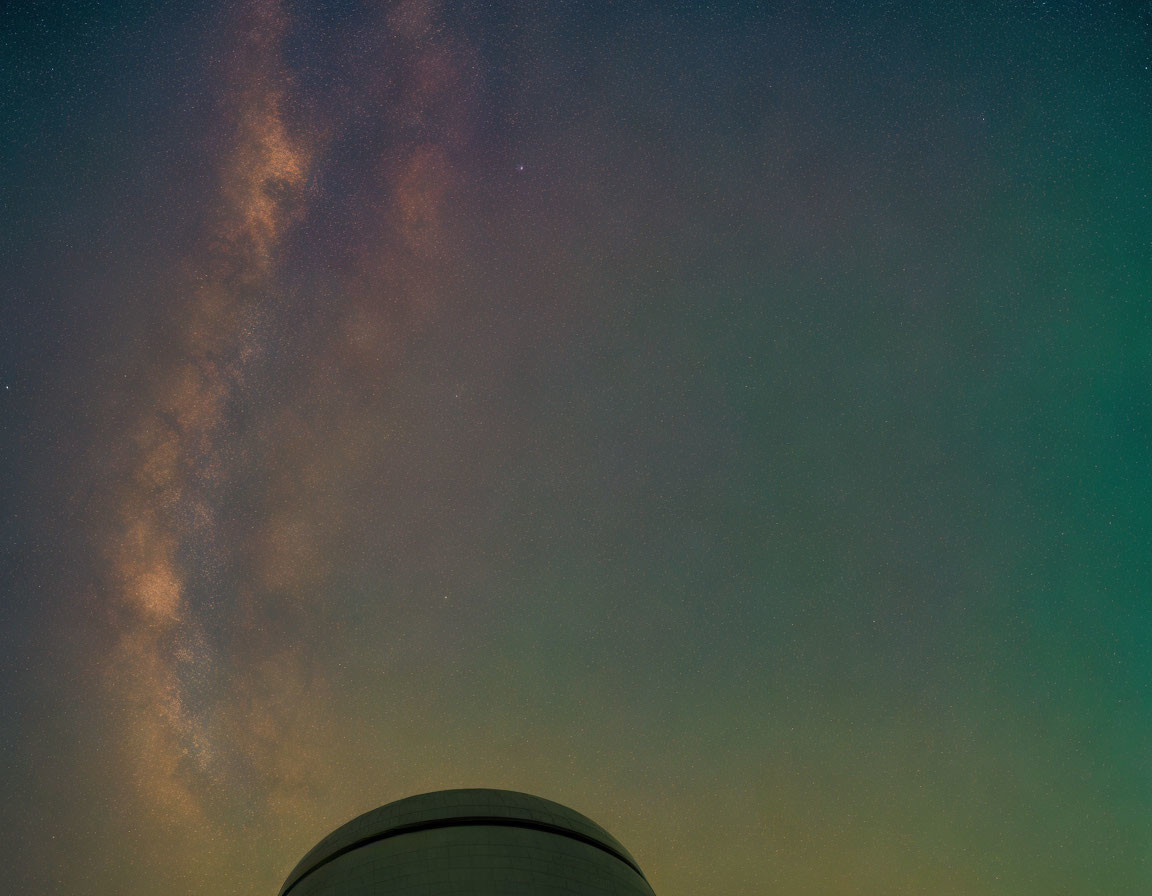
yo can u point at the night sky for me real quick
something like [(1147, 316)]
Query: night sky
[(733, 421)]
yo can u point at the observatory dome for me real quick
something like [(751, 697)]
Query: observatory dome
[(470, 843)]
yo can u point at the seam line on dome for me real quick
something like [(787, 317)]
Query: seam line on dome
[(467, 821)]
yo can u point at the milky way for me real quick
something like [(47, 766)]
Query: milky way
[(223, 502)]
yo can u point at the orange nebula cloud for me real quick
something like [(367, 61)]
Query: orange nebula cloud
[(206, 718), (160, 658)]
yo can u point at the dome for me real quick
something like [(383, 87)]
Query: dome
[(468, 842)]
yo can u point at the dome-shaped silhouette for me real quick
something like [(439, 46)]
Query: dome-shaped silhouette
[(470, 843)]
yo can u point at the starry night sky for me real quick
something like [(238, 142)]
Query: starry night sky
[(733, 421)]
